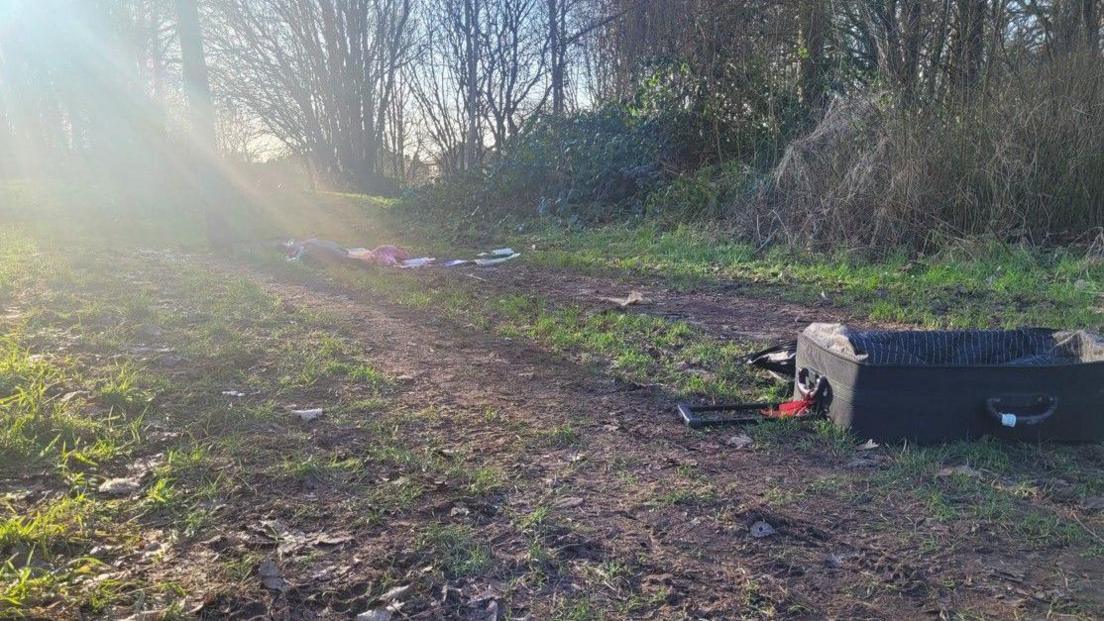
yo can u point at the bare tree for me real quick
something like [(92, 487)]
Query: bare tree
[(197, 86), (514, 66), (321, 74)]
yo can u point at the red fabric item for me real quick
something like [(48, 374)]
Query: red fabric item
[(387, 256), (791, 409)]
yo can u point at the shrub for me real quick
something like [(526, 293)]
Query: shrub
[(1024, 161)]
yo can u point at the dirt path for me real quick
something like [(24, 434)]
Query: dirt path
[(723, 312), (643, 518)]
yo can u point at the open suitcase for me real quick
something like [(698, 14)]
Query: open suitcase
[(933, 386)]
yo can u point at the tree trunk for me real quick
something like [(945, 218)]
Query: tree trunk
[(969, 46), (555, 49), (471, 146), (814, 22), (197, 86), (1092, 25)]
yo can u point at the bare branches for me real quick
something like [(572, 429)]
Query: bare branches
[(321, 74)]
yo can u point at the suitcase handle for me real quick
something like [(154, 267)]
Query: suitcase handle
[(1020, 410), (810, 384)]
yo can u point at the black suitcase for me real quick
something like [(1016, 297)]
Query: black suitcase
[(933, 386)]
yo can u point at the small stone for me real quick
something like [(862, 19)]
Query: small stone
[(270, 576), (762, 529), (122, 486), (740, 441)]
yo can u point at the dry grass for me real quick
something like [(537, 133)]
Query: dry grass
[(1023, 160)]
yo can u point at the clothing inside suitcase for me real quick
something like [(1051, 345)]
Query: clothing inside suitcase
[(1022, 347)]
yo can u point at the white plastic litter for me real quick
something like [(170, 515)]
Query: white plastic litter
[(498, 252), (309, 414), (418, 262), (496, 259)]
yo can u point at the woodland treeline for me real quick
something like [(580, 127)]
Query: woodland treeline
[(869, 122)]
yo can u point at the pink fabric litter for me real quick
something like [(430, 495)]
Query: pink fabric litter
[(387, 256)]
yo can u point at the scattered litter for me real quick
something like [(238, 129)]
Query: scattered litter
[(147, 615), (418, 262), (308, 415), (761, 529), (869, 445), (233, 393), (496, 259), (497, 252), (376, 614), (270, 576), (386, 256), (634, 297), (122, 486), (963, 471), (740, 441), (314, 249)]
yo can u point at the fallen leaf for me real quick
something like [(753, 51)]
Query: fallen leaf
[(122, 486), (69, 396), (568, 503), (308, 415), (869, 445), (147, 615), (396, 593), (270, 576), (492, 611), (740, 441), (634, 297), (761, 529), (331, 540)]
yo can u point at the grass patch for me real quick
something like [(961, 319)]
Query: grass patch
[(455, 548), (969, 285)]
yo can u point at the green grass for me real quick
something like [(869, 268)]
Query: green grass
[(109, 358), (975, 284), (454, 548), (635, 347)]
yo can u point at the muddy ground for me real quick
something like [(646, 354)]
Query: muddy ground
[(458, 471), (639, 516)]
